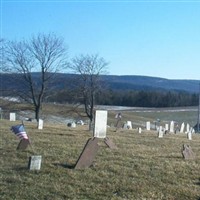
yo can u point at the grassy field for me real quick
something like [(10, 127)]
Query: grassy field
[(142, 167)]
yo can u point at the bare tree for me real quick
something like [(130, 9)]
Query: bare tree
[(89, 68), (44, 54)]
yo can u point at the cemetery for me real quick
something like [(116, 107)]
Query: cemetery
[(142, 160)]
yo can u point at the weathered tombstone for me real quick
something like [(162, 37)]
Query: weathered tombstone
[(100, 126), (34, 162), (171, 129), (23, 144), (139, 130), (187, 152), (129, 124), (12, 116), (160, 132), (40, 124), (73, 125), (119, 118), (148, 126), (166, 127), (189, 135), (88, 154), (110, 143), (187, 128), (182, 127)]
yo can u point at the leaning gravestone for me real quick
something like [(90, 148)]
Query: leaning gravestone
[(88, 154), (148, 126), (171, 129), (110, 143), (23, 144), (13, 117), (34, 162), (100, 126), (40, 124), (187, 152)]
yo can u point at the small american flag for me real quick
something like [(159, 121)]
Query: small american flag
[(19, 131)]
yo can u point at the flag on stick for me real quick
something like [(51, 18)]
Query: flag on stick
[(19, 131)]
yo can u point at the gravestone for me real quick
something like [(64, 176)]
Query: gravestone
[(73, 125), (129, 124), (189, 134), (40, 124), (88, 154), (100, 126), (139, 130), (187, 128), (160, 132), (166, 127), (110, 143), (148, 126), (13, 117), (34, 162), (171, 129), (119, 118), (187, 152), (182, 127), (23, 144)]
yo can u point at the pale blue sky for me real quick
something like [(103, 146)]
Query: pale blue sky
[(152, 38)]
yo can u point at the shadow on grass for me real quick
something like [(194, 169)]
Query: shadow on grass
[(69, 166)]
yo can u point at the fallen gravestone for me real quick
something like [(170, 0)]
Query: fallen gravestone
[(187, 152), (34, 162), (88, 154), (110, 143)]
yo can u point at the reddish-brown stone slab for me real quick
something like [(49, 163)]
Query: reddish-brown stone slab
[(88, 154), (23, 144), (110, 143)]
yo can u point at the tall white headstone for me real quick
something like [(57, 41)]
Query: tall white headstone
[(182, 127), (148, 126), (129, 124), (100, 126), (166, 127), (187, 128), (160, 132), (40, 124), (12, 116), (139, 130), (171, 129), (189, 135)]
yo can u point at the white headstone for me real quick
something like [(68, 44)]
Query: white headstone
[(182, 127), (12, 116), (40, 124), (100, 126), (148, 126), (35, 162), (73, 125), (189, 135), (129, 124), (139, 130), (166, 127), (187, 128), (171, 129), (160, 132)]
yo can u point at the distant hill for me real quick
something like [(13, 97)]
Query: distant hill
[(114, 82)]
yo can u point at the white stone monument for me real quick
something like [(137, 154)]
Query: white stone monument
[(139, 130), (40, 124), (148, 126), (73, 125), (189, 135), (129, 124), (160, 132), (171, 129), (166, 127), (13, 117), (100, 126), (187, 128), (182, 127)]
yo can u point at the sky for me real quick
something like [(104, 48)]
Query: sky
[(147, 37)]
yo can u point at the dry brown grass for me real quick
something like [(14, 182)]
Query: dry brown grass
[(142, 167)]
